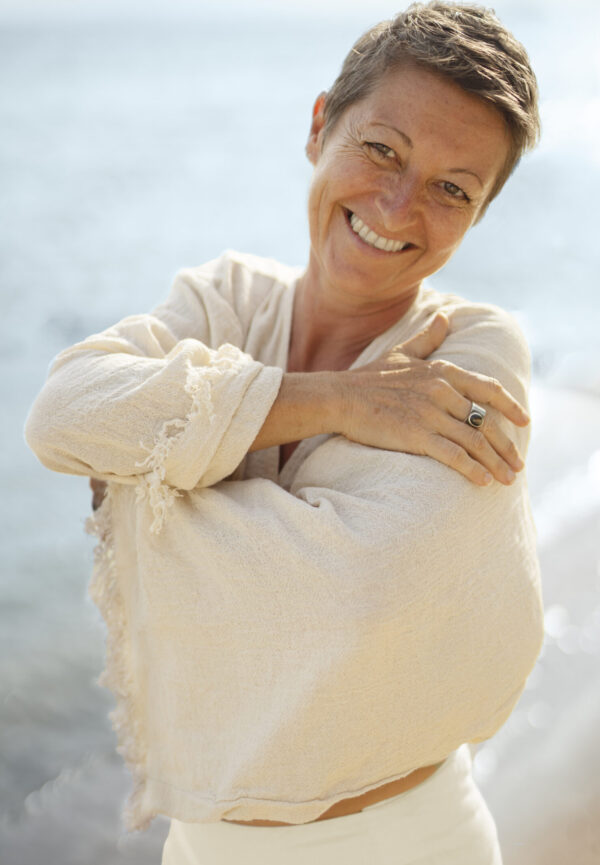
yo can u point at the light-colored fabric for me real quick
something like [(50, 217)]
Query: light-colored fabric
[(443, 821), (278, 642)]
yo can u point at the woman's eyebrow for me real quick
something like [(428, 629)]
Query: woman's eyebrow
[(399, 132), (467, 171)]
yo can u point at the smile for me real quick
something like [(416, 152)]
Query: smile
[(372, 238)]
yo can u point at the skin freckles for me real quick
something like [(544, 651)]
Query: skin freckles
[(415, 161)]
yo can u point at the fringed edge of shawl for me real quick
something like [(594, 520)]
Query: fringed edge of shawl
[(152, 486), (118, 676)]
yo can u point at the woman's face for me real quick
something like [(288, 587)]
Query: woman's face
[(397, 183)]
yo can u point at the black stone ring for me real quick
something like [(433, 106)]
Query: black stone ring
[(476, 416)]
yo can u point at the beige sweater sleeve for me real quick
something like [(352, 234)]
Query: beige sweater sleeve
[(169, 398), (385, 599)]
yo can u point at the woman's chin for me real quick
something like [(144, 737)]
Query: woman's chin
[(364, 278)]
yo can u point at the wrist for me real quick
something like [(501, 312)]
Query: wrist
[(308, 404), (317, 398)]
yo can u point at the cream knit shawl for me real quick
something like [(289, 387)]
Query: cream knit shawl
[(277, 643)]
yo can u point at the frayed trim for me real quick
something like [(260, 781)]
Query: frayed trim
[(118, 675), (152, 486)]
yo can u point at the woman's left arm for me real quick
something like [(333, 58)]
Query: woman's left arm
[(386, 579)]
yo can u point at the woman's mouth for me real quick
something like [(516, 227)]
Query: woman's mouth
[(371, 238)]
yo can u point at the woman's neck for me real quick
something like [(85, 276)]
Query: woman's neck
[(329, 333)]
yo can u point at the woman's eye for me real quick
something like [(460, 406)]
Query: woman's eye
[(454, 191), (381, 149)]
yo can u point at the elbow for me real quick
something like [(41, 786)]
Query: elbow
[(36, 430), (48, 439)]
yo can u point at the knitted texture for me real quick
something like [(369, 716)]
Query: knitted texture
[(280, 641)]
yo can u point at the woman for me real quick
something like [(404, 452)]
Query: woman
[(316, 560)]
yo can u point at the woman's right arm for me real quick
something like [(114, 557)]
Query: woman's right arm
[(187, 413), (168, 396)]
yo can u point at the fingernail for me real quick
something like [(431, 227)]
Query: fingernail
[(510, 475), (518, 464), (487, 479)]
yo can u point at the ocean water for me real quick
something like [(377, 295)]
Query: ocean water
[(137, 139)]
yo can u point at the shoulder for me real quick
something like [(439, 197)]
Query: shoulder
[(241, 280), (216, 301), (486, 339), (483, 338)]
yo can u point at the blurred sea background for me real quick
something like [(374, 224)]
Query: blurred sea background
[(140, 137)]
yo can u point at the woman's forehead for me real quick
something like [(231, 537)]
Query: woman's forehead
[(422, 111)]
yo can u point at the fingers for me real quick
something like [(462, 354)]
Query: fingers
[(427, 402), (491, 448), (98, 488), (457, 458), (427, 340), (486, 391), (499, 441), (488, 445)]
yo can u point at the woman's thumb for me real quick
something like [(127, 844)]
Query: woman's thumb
[(427, 340)]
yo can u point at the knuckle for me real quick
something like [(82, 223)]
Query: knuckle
[(457, 456), (477, 441), (510, 448), (436, 388), (440, 367)]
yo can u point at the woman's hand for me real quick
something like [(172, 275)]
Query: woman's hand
[(404, 402), (98, 492)]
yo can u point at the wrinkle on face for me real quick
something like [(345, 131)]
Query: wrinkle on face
[(446, 150)]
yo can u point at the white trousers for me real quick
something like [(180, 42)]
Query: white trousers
[(443, 821)]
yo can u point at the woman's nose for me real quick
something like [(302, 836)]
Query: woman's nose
[(398, 201)]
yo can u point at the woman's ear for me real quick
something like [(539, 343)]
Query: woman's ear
[(313, 145)]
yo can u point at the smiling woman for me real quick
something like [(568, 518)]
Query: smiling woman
[(317, 561), (408, 168)]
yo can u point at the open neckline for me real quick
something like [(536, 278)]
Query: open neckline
[(393, 335)]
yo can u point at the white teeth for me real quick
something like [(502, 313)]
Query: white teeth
[(372, 238)]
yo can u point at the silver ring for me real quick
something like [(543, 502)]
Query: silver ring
[(476, 416)]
